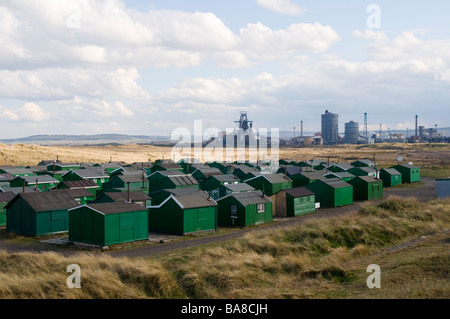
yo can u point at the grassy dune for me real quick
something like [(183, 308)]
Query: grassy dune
[(320, 259)]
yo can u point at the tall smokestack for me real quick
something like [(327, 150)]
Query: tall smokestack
[(417, 125), (301, 127)]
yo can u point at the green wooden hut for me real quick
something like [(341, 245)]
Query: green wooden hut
[(343, 176), (366, 188), (139, 198), (295, 202), (363, 171), (339, 167), (4, 200), (38, 214), (240, 171), (5, 179), (306, 178), (17, 172), (184, 213), (65, 167), (120, 183), (163, 166), (244, 209), (81, 196), (161, 180), (228, 189), (215, 181), (91, 174), (88, 185), (390, 177), (108, 223), (270, 184), (332, 193), (410, 173), (363, 163), (41, 182), (201, 174)]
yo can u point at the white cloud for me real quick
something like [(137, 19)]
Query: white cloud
[(281, 6), (29, 112)]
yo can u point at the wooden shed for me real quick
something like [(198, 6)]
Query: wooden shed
[(339, 167), (201, 174), (108, 223), (332, 193), (410, 173), (363, 171), (182, 214), (88, 185), (215, 181), (366, 188), (139, 198), (228, 189), (295, 202), (245, 209), (4, 200), (270, 184), (161, 180), (166, 166), (38, 214), (120, 183), (390, 177), (363, 163), (41, 182), (89, 174), (306, 178), (5, 179), (343, 176)]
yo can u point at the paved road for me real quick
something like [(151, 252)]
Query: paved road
[(423, 192)]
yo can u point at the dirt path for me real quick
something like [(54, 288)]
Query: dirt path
[(424, 192)]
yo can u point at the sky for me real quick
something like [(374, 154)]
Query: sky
[(149, 67)]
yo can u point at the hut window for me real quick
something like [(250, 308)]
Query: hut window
[(261, 208), (234, 211)]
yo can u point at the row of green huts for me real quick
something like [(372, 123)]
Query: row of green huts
[(122, 204)]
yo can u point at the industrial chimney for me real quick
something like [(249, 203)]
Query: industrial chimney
[(417, 126)]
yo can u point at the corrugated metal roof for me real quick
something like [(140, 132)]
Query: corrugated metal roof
[(17, 171), (133, 178), (6, 197), (208, 172), (391, 171), (41, 179), (226, 178), (89, 173), (313, 175), (241, 187), (369, 179), (299, 192), (407, 166), (76, 192), (80, 184), (18, 190), (183, 180), (344, 166), (336, 183), (195, 200), (6, 177), (291, 170), (250, 198), (341, 175), (365, 161), (276, 178), (47, 201), (116, 208), (123, 196)]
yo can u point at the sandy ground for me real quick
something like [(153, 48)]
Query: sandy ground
[(384, 154)]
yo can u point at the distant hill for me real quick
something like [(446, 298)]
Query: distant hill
[(100, 139)]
